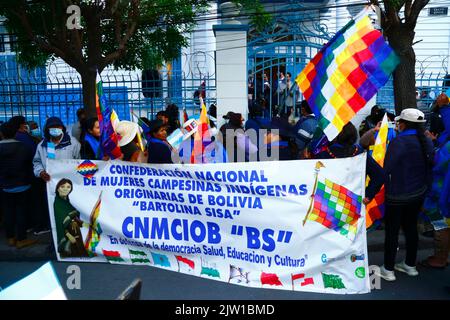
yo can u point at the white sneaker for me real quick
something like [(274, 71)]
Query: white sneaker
[(386, 274), (403, 267)]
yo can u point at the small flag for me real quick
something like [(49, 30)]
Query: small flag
[(305, 282), (160, 260), (87, 169), (51, 154), (355, 257), (186, 261), (138, 257), (210, 272), (346, 73), (270, 279), (176, 139), (43, 284), (112, 256), (336, 208), (238, 275), (209, 269), (332, 281)]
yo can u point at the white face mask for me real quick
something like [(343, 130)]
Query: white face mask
[(55, 132)]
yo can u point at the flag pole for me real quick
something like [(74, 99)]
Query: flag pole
[(319, 165), (292, 281)]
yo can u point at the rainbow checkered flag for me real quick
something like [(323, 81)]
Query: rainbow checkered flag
[(95, 230), (336, 208), (346, 73), (201, 138), (375, 208), (107, 119)]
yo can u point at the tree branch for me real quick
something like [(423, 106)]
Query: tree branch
[(133, 18), (407, 9), (417, 6), (46, 45)]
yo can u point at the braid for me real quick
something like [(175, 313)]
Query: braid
[(423, 143)]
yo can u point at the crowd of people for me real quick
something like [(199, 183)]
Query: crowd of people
[(415, 170)]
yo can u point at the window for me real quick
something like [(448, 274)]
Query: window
[(2, 43), (13, 42)]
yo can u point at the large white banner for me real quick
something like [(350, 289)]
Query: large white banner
[(292, 225)]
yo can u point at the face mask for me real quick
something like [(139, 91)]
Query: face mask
[(55, 132), (35, 133), (27, 128)]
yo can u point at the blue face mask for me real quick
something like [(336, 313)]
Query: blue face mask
[(35, 132), (55, 132)]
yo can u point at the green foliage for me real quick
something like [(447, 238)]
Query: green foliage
[(159, 36), (162, 29), (259, 17)]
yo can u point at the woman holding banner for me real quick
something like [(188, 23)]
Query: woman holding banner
[(344, 145)]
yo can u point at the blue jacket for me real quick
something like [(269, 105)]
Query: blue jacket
[(304, 131), (408, 173), (158, 151)]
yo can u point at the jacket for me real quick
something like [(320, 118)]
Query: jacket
[(158, 151), (304, 131), (15, 164), (283, 149), (70, 149), (408, 173)]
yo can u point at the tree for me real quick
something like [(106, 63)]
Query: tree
[(127, 34), (398, 27)]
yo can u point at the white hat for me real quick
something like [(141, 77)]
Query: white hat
[(411, 115), (126, 131)]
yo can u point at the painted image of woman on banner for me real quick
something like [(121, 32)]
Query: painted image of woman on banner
[(68, 223)]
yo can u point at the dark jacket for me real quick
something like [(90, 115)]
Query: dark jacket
[(16, 168), (284, 150), (408, 173), (86, 151), (89, 149), (27, 140), (374, 170), (158, 151)]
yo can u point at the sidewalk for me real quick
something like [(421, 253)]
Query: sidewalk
[(41, 251), (44, 250)]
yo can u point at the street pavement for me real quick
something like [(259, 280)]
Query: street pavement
[(105, 281)]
